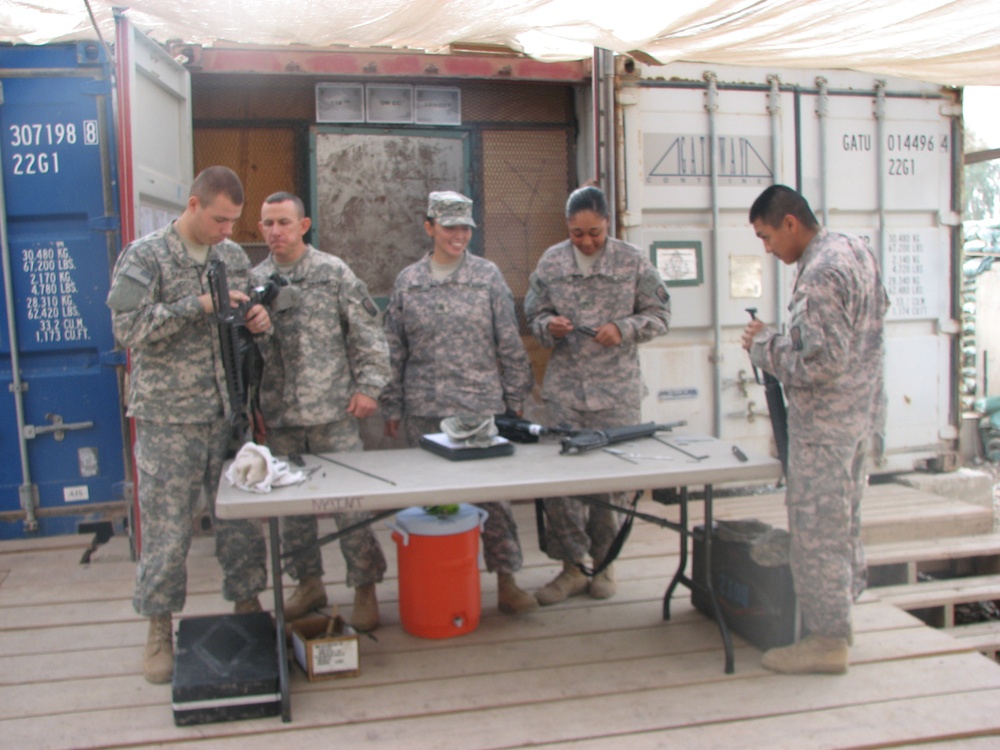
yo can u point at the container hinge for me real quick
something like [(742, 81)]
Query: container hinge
[(28, 496), (948, 327), (949, 218), (58, 428), (110, 223), (114, 358), (951, 110)]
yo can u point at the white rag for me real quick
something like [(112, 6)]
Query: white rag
[(255, 470)]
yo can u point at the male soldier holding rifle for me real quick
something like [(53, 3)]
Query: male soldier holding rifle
[(162, 311), (830, 364)]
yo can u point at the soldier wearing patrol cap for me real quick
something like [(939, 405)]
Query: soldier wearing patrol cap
[(830, 365), (456, 350)]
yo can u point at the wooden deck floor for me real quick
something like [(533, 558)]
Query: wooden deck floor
[(585, 674)]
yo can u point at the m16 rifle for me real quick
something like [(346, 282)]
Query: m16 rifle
[(581, 441), (240, 359)]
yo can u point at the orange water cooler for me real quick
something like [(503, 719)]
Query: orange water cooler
[(438, 557)]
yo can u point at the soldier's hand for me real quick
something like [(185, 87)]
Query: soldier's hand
[(257, 320), (392, 428), (559, 326), (361, 406), (753, 328), (608, 335)]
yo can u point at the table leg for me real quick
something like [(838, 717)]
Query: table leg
[(684, 532), (727, 639), (279, 617)]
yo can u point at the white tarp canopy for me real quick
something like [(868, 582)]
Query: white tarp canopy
[(951, 42)]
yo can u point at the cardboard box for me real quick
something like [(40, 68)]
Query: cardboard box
[(225, 669), (323, 651)]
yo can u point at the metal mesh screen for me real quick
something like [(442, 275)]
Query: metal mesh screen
[(517, 103), (525, 183)]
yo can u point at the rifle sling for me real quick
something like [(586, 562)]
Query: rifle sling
[(616, 544)]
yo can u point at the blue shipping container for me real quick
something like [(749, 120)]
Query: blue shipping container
[(62, 462)]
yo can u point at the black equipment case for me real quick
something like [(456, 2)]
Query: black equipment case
[(225, 669), (757, 601)]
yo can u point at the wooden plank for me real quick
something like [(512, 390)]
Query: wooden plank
[(945, 723), (935, 593), (692, 698), (584, 673), (948, 548)]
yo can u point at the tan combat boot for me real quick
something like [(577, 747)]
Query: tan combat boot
[(603, 585), (247, 606), (511, 599), (569, 582), (365, 616), (813, 654), (158, 656), (310, 594)]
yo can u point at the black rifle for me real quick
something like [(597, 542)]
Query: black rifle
[(520, 430), (240, 359), (580, 441), (775, 407)]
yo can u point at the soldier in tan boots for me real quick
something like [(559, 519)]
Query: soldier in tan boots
[(323, 370), (595, 283), (830, 364), (160, 311)]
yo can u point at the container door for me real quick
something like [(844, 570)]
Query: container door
[(156, 153), (61, 436), (873, 158)]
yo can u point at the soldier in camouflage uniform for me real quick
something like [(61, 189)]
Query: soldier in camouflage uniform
[(456, 350), (162, 312), (324, 368), (592, 299), (830, 364)]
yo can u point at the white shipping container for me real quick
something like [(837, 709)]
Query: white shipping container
[(697, 144)]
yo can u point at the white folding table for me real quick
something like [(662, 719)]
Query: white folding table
[(385, 480)]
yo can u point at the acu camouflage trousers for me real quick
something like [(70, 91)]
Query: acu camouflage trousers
[(176, 463), (362, 552), (825, 487), (574, 528)]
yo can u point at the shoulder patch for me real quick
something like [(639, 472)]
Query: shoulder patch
[(136, 273), (130, 288), (370, 307)]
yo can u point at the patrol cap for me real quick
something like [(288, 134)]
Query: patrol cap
[(449, 208)]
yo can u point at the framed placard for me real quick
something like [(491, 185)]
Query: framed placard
[(746, 276), (437, 105), (340, 102), (389, 103), (679, 263)]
